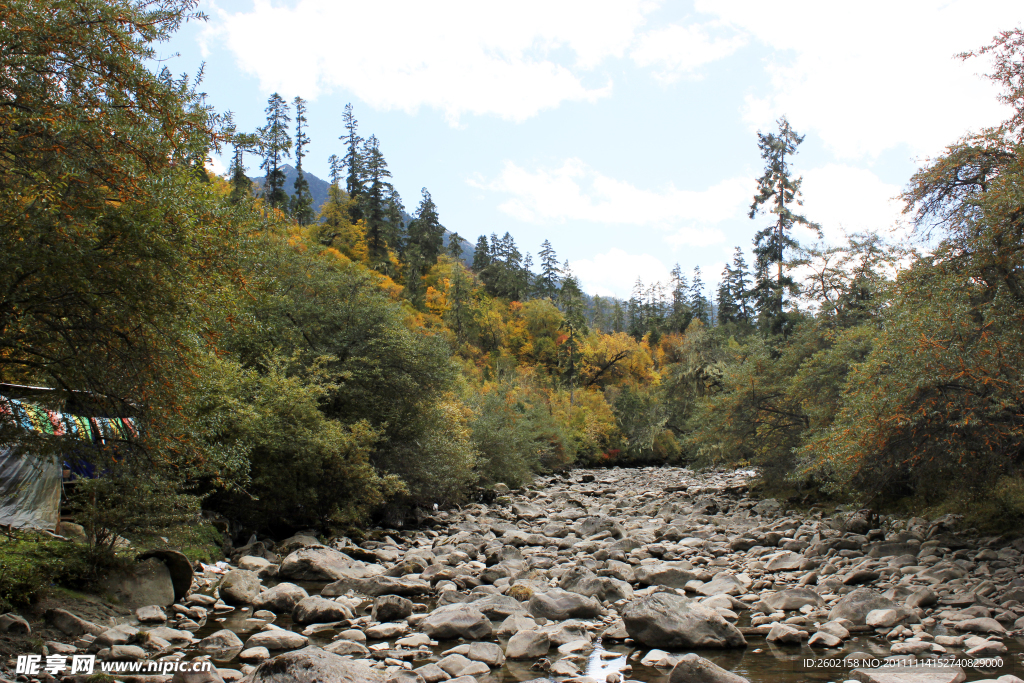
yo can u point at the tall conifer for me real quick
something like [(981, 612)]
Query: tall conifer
[(302, 200), (275, 145)]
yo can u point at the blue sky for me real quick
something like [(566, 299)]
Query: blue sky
[(623, 131)]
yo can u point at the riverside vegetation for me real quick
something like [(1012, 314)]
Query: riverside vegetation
[(296, 369)]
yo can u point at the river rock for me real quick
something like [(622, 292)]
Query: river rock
[(456, 621), (277, 639), (317, 610), (313, 665), (856, 605), (693, 668), (343, 646), (320, 563), (146, 583), (671, 574), (239, 587), (281, 599), (528, 645), (221, 643), (559, 605), (375, 586), (391, 607), (488, 653), (669, 621), (792, 599)]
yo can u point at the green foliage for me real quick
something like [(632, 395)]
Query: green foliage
[(514, 435), (641, 416), (31, 564)]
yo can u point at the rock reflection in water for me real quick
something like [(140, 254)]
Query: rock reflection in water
[(602, 663)]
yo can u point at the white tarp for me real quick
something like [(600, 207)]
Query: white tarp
[(29, 490)]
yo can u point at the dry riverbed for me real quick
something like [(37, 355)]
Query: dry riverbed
[(657, 574)]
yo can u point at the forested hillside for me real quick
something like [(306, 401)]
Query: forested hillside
[(294, 368)]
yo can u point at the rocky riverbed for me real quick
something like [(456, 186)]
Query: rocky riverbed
[(657, 574)]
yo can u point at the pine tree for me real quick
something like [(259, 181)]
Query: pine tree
[(334, 169), (739, 286), (426, 231), (395, 233), (777, 193), (481, 254), (374, 203), (455, 246), (302, 200), (275, 145), (550, 274), (680, 314), (618, 317), (698, 301), (241, 144), (353, 161), (728, 311)]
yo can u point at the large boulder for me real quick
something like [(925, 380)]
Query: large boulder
[(317, 610), (558, 605), (239, 587), (281, 599), (147, 583), (178, 566), (672, 622), (313, 665), (856, 605), (693, 668), (456, 621), (320, 563)]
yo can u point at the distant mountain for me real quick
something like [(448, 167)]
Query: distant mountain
[(318, 189)]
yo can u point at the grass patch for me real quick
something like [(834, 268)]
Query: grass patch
[(31, 564)]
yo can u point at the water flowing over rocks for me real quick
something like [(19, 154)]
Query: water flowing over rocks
[(656, 574)]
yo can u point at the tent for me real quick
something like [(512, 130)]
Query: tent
[(31, 483)]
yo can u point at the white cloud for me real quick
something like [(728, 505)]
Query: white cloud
[(462, 57), (216, 166), (614, 272), (575, 191), (842, 199), (678, 50), (872, 75)]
